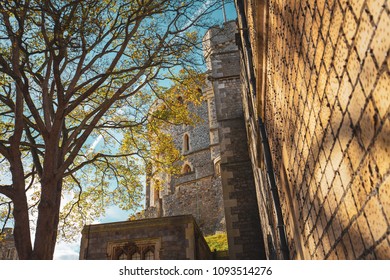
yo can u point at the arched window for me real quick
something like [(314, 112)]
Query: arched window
[(218, 168), (156, 189), (186, 143), (136, 256), (134, 250), (149, 255), (186, 169), (122, 256)]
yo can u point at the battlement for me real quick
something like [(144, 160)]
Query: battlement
[(219, 39)]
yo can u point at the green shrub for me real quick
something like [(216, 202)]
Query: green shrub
[(217, 242)]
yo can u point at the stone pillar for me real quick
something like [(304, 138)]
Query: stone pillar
[(241, 210)]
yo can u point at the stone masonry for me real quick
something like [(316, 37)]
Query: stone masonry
[(168, 238), (219, 188), (199, 191), (241, 212), (7, 245), (322, 88)]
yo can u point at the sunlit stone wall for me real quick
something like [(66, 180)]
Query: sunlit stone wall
[(325, 102)]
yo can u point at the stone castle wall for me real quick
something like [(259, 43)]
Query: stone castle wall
[(322, 70), (7, 245), (169, 238), (241, 212), (202, 199), (198, 192)]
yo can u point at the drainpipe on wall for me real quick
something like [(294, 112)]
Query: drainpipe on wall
[(246, 47), (274, 191)]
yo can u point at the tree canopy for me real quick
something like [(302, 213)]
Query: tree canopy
[(71, 72)]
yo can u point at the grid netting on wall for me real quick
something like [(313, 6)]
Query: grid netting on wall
[(327, 106)]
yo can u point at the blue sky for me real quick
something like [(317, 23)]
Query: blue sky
[(70, 251)]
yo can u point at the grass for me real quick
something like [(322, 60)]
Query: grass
[(217, 242)]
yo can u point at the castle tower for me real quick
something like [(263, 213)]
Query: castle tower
[(228, 129), (198, 189), (216, 185)]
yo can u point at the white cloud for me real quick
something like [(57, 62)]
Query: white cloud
[(67, 251)]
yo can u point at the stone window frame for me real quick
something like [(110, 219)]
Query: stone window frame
[(124, 256), (157, 186), (186, 143), (146, 256), (187, 168), (130, 247), (137, 254), (217, 166), (8, 251)]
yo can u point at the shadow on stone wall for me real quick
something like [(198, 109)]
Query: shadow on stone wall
[(323, 109)]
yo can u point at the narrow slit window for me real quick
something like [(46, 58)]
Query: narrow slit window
[(186, 143), (156, 194)]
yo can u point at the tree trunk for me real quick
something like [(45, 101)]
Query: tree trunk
[(22, 235), (48, 219)]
